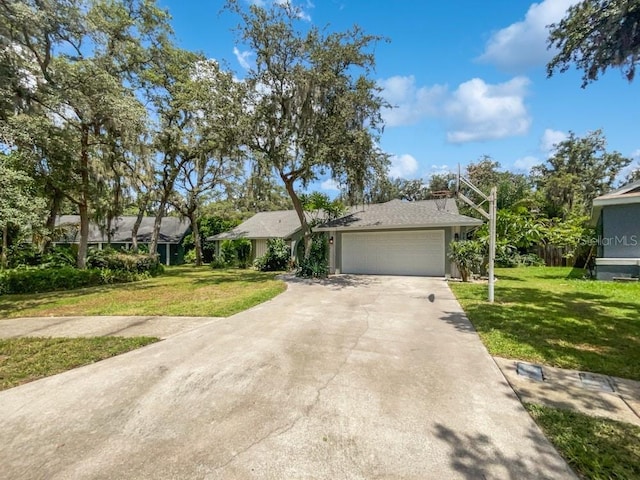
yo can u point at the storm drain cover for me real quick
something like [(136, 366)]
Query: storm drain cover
[(533, 372), (599, 382)]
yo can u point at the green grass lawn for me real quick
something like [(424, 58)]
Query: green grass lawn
[(181, 291), (26, 359), (546, 315), (597, 448)]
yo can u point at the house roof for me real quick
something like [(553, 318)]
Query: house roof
[(278, 224), (401, 214), (630, 193), (172, 229)]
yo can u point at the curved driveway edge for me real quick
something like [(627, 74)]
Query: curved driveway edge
[(355, 378)]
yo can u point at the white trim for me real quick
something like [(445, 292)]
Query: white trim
[(399, 227), (168, 251), (621, 200), (618, 261)]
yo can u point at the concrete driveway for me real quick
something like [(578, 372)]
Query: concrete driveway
[(355, 378)]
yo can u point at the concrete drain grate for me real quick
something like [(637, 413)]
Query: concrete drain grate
[(597, 382), (534, 372)]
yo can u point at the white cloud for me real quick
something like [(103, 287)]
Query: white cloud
[(523, 44), (475, 111), (636, 154), (242, 57), (479, 111), (403, 166), (526, 163), (330, 184), (409, 103), (550, 138)]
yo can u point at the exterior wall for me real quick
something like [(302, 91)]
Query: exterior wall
[(618, 242), (610, 272), (620, 231), (335, 250), (258, 248)]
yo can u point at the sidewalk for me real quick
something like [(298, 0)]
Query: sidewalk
[(591, 394), (88, 326)]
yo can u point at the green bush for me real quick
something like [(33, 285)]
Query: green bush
[(140, 263), (60, 256), (38, 280), (468, 255), (277, 257), (243, 252), (217, 262), (317, 265), (228, 253), (190, 256)]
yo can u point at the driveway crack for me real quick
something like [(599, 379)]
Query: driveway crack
[(276, 432)]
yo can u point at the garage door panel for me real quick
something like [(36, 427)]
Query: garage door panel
[(419, 252)]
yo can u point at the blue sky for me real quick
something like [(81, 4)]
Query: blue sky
[(468, 78)]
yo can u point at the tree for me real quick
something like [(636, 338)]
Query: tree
[(309, 110), (82, 61), (634, 176), (595, 35), (19, 203), (211, 157), (579, 170)]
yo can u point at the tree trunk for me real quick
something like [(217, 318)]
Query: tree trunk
[(195, 232), (83, 204), (56, 201), (136, 227), (84, 236), (157, 223), (5, 246), (297, 205)]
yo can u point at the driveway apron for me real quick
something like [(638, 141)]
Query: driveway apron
[(359, 377)]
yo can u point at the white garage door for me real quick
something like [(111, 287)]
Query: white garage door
[(418, 252)]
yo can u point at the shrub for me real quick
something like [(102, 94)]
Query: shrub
[(228, 253), (37, 280), (217, 262), (277, 257), (124, 261), (468, 255), (60, 256), (317, 265), (243, 252), (190, 256)]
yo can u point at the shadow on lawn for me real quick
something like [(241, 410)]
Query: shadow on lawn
[(573, 330), (474, 455)]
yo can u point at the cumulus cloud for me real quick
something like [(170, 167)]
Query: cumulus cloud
[(475, 111), (526, 163), (330, 185), (409, 103), (242, 57), (403, 166), (550, 138), (479, 111), (523, 44)]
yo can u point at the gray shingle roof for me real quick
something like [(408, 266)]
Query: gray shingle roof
[(629, 193), (278, 224), (172, 230), (400, 214)]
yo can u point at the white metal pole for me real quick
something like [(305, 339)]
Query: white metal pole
[(492, 239)]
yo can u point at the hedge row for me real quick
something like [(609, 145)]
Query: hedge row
[(104, 268)]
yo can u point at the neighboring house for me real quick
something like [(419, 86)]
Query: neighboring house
[(393, 238), (261, 227), (172, 231), (397, 238), (616, 216)]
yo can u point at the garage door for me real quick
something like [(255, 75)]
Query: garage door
[(394, 253)]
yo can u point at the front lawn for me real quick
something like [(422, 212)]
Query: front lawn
[(545, 315), (597, 448), (180, 291), (23, 360)]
